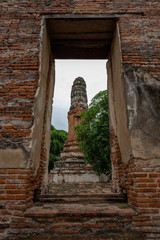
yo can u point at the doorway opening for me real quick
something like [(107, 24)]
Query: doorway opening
[(74, 38), (94, 74)]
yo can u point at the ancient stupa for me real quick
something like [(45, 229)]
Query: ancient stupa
[(70, 166)]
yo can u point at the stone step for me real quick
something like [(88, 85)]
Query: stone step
[(83, 198), (106, 236), (72, 170), (75, 219), (69, 162), (80, 188), (77, 175), (71, 148), (72, 154), (71, 143), (74, 176), (70, 159)]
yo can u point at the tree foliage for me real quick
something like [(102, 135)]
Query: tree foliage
[(93, 134), (58, 137)]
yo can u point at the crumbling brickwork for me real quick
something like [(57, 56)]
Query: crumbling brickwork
[(118, 167), (24, 66)]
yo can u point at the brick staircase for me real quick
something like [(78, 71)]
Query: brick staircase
[(79, 210), (81, 193), (77, 218), (83, 198)]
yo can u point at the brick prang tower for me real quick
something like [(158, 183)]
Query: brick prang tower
[(78, 105), (70, 166)]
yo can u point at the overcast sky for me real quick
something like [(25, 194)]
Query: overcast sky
[(93, 72)]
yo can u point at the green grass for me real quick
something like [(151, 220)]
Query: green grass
[(122, 207)]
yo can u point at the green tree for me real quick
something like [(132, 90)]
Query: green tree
[(93, 134), (58, 137)]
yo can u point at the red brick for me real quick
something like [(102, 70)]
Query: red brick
[(2, 181), (141, 218), (147, 200), (145, 190), (152, 185), (10, 186), (138, 175), (153, 175), (144, 180), (17, 191)]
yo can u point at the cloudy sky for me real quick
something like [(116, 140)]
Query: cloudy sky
[(93, 72)]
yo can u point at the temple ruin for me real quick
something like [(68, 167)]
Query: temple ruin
[(33, 35)]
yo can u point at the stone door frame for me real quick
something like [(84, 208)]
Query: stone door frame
[(115, 58)]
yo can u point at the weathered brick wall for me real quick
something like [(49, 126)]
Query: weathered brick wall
[(144, 194), (140, 41), (16, 194), (19, 66), (118, 167)]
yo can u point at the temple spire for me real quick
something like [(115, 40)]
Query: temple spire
[(79, 94)]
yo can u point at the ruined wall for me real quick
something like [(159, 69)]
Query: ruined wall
[(119, 134), (20, 38), (141, 78), (23, 142), (45, 146), (118, 102), (40, 97), (138, 100), (40, 144)]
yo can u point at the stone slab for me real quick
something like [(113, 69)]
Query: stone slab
[(76, 178)]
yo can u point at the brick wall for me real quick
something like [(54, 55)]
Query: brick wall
[(16, 195), (19, 66), (144, 195), (118, 167), (140, 41)]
